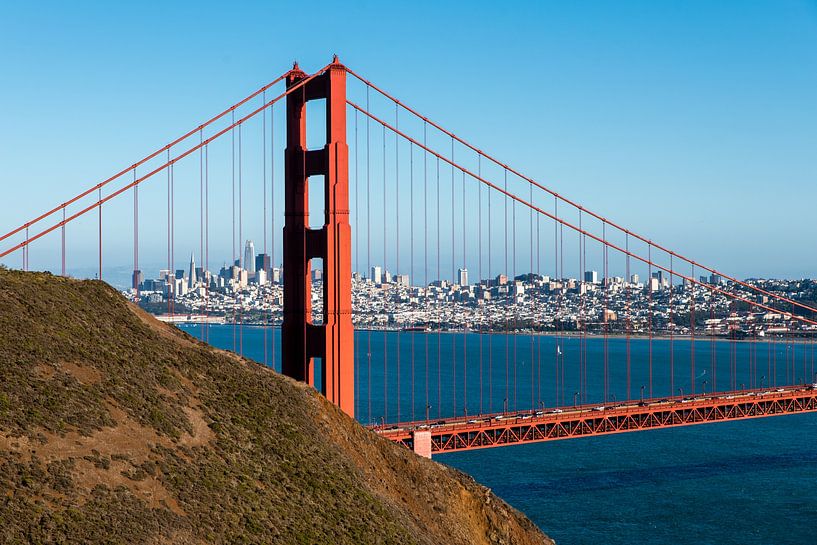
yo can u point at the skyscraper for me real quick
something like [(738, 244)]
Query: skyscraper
[(249, 257), (377, 274), (191, 276), (263, 263), (462, 277), (591, 276)]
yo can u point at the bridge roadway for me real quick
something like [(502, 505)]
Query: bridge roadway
[(502, 429)]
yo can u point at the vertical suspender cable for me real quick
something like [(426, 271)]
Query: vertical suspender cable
[(506, 305), (369, 248), (453, 337), (100, 237), (539, 335), (557, 316), (713, 357), (241, 255), (411, 271), (170, 273), (605, 318), (135, 236), (582, 318), (266, 326), (173, 224), (491, 322), (206, 256), (397, 236), (425, 261), (649, 304), (436, 304), (692, 328), (562, 274), (530, 337), (513, 306), (628, 317), (232, 212), (384, 280), (272, 218), (203, 326), (62, 232), (479, 277), (465, 332), (671, 331)]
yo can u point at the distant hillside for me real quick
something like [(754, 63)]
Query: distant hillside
[(116, 428)]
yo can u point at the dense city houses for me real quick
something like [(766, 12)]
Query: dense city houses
[(250, 290)]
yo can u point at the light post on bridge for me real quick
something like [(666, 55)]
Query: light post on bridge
[(505, 406), (642, 394), (761, 381), (703, 386), (681, 391), (575, 395), (428, 408)]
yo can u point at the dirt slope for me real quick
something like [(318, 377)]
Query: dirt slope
[(115, 428)]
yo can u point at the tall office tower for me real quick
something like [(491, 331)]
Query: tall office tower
[(192, 280), (462, 277), (263, 263), (377, 274), (591, 276), (249, 257), (634, 279)]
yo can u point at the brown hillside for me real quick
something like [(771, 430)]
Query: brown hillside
[(115, 428)]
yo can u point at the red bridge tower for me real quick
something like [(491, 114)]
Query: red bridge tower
[(301, 340)]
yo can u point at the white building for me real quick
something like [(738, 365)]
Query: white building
[(462, 277), (377, 275)]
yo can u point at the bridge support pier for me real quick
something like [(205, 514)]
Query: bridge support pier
[(301, 340), (422, 443)]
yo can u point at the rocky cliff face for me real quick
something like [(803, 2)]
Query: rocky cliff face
[(116, 428)]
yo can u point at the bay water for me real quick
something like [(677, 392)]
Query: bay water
[(746, 482)]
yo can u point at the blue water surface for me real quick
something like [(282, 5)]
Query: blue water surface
[(747, 482)]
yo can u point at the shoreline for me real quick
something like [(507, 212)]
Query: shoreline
[(565, 334)]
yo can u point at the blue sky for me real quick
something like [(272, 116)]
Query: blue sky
[(692, 122)]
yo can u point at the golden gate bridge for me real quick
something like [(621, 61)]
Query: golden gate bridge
[(396, 188)]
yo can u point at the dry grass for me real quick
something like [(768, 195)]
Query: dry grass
[(115, 428)]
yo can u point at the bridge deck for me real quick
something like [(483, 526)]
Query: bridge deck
[(533, 426)]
